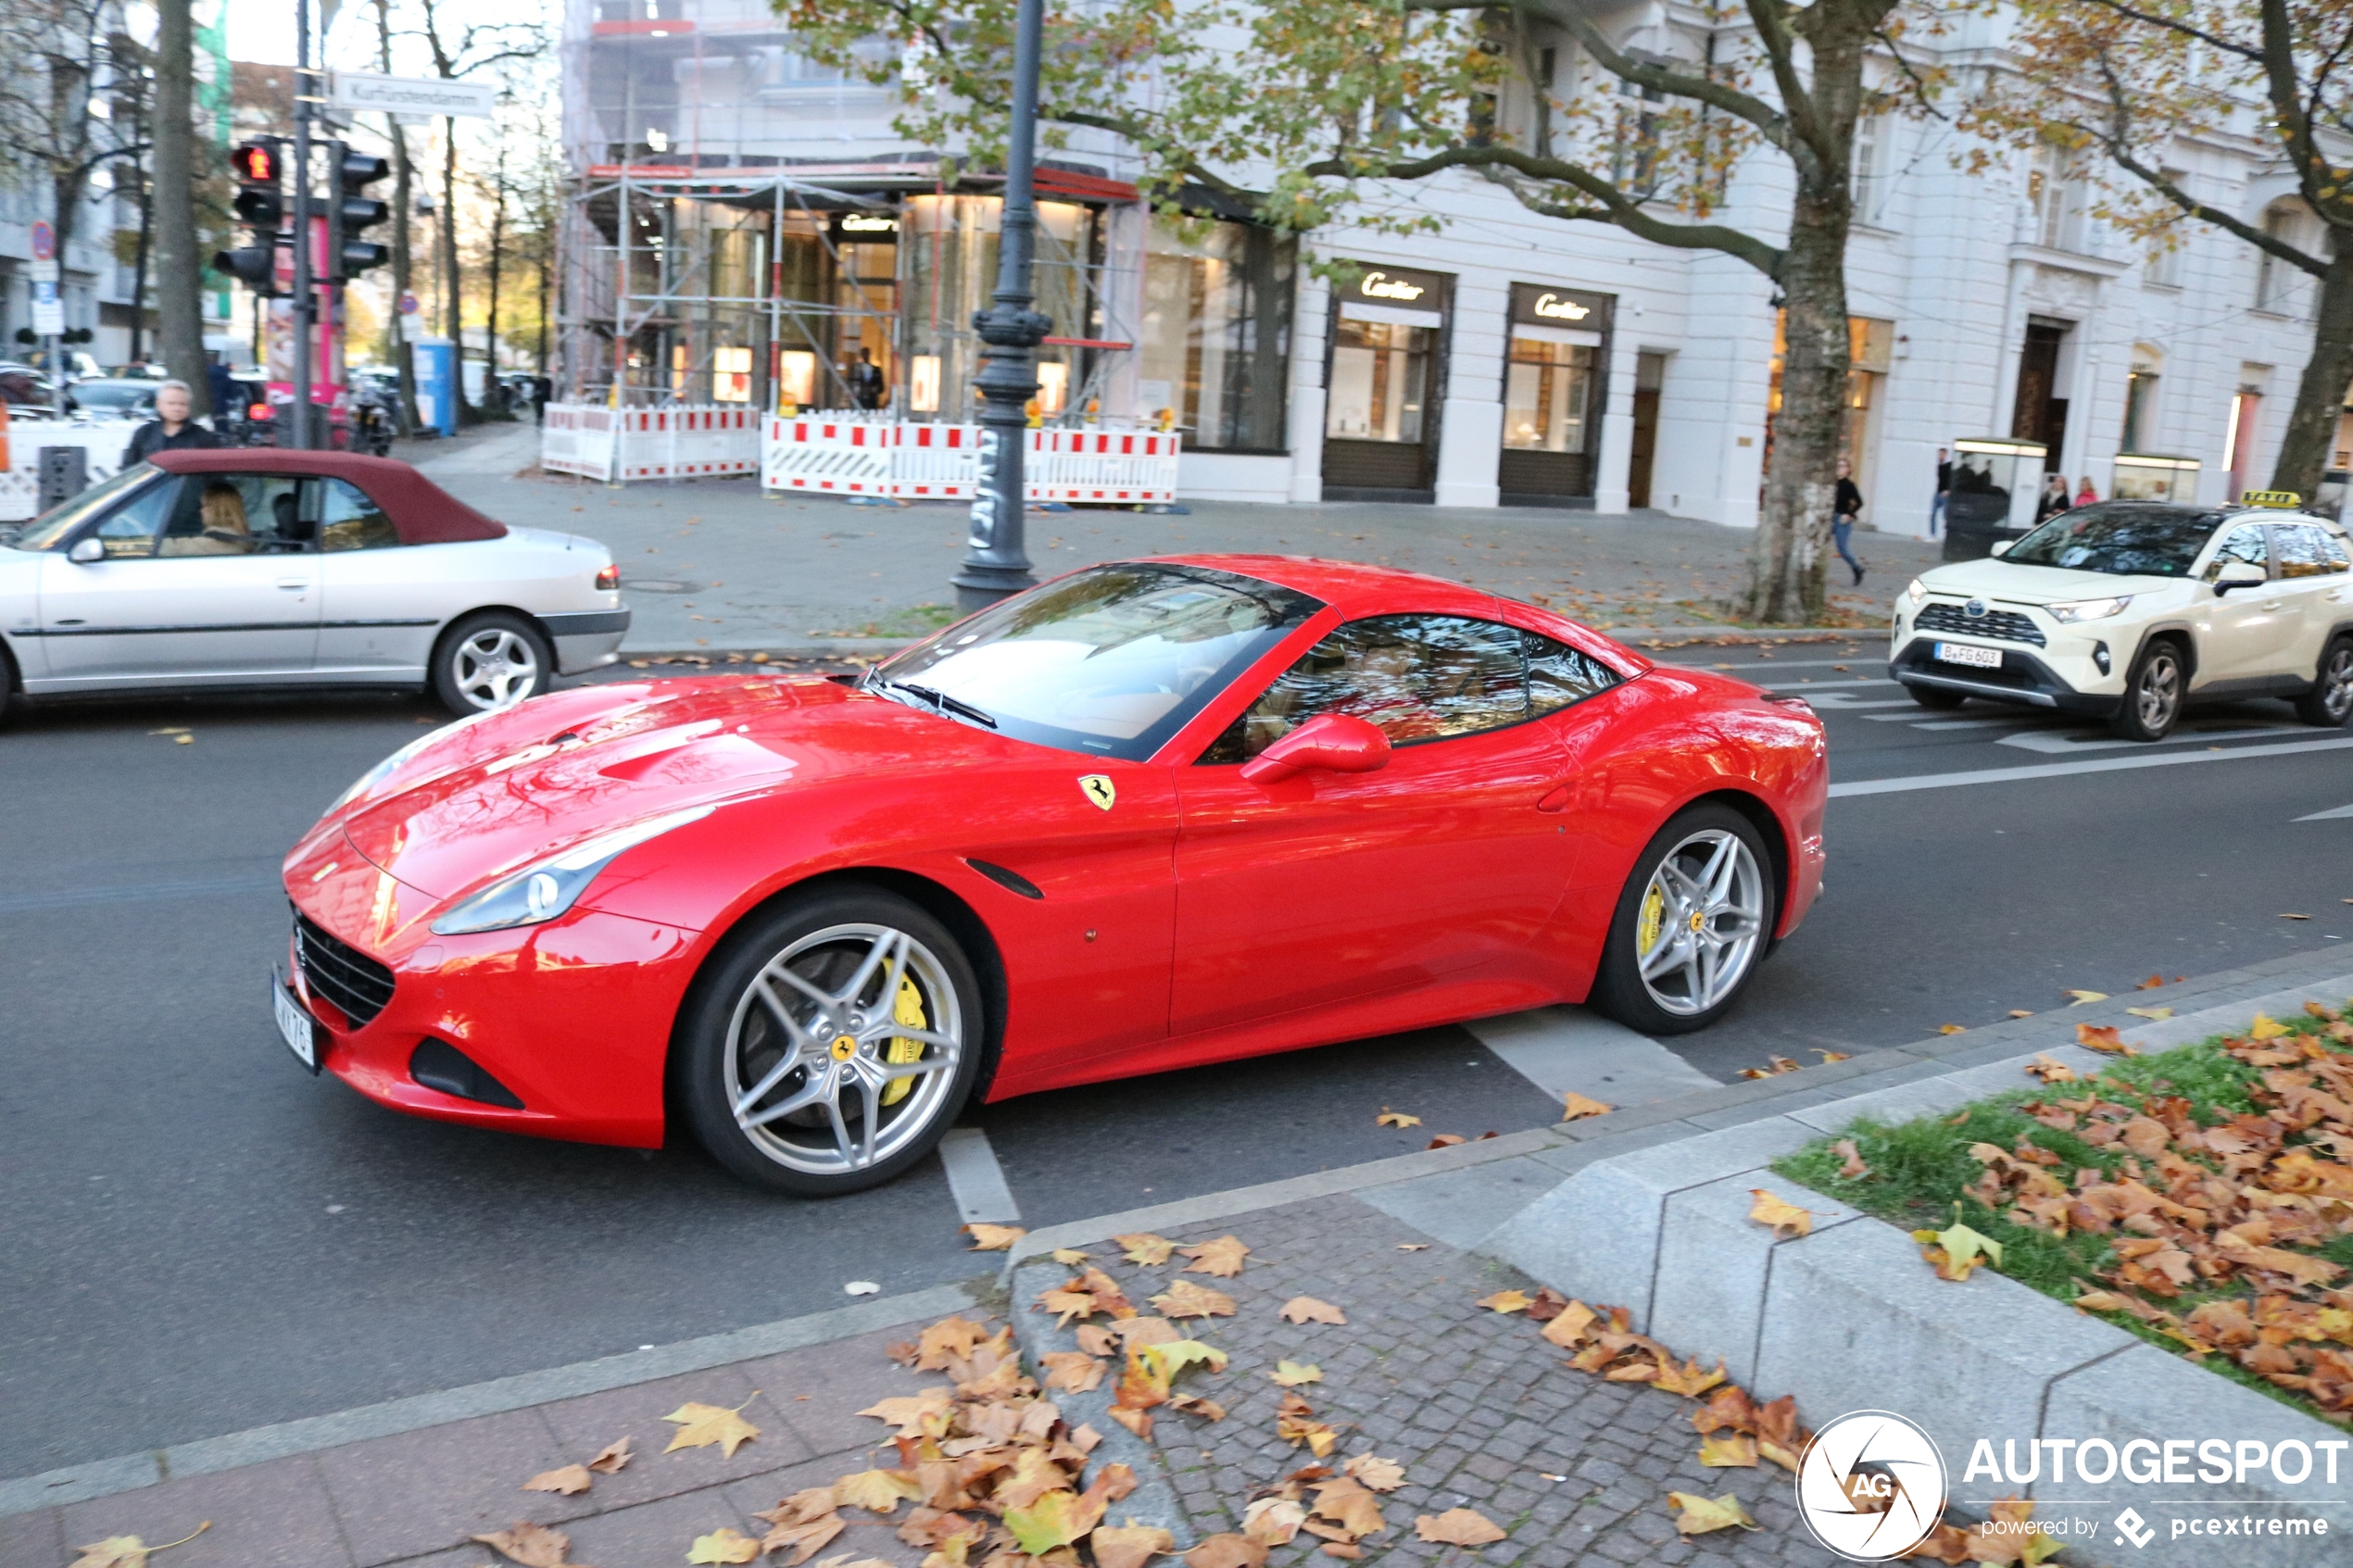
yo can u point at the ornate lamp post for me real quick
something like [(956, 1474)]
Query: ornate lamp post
[(995, 565)]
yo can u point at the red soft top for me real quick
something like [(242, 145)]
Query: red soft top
[(422, 511)]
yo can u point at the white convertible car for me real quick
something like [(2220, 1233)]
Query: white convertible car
[(252, 567)]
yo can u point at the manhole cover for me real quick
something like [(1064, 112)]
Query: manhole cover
[(657, 586)]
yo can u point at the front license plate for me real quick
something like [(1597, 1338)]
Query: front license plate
[(298, 1026), (1962, 653)]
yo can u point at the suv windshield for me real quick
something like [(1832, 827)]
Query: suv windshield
[(1112, 661), (2121, 538), (43, 532)]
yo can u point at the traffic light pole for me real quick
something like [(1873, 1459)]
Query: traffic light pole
[(996, 566), (305, 298)]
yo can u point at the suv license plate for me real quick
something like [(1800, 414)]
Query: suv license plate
[(300, 1030), (1962, 653)]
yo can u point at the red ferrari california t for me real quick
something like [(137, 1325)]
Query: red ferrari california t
[(1152, 814)]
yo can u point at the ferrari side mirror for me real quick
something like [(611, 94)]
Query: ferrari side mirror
[(85, 551), (1338, 741), (2234, 574)]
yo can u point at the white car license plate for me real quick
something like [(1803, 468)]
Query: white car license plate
[(1962, 653), (301, 1032)]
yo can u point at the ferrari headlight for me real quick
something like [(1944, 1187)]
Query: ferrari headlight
[(1916, 591), (2087, 609), (541, 893)]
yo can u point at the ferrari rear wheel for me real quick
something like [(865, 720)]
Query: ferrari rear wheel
[(835, 1043), (1693, 921)]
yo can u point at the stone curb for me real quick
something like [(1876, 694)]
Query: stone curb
[(1848, 1318), (129, 1472)]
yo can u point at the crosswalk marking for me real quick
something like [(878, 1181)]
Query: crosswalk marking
[(2328, 816), (975, 1179)]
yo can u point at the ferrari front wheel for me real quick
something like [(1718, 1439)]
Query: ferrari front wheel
[(838, 1038), (1690, 926)]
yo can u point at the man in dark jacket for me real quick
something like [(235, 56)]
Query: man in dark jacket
[(170, 430)]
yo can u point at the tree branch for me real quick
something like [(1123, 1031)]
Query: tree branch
[(2170, 24)]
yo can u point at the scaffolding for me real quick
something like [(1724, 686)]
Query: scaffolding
[(746, 231)]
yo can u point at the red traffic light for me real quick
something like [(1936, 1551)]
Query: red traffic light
[(256, 163)]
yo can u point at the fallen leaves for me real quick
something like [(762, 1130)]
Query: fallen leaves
[(1576, 1107), (1737, 1451), (1697, 1515), (1290, 1374), (1854, 1168), (1295, 1423), (1221, 1259), (994, 1239), (1958, 1250), (1228, 1551), (2155, 1015), (1183, 1299), (1387, 1118), (2050, 1069), (1507, 1301), (1457, 1526), (613, 1458), (700, 1427), (534, 1546), (1146, 1249), (130, 1551), (723, 1545), (1371, 1470), (2102, 1038), (1307, 1309), (876, 1492), (1774, 1067), (569, 1480), (1779, 1216), (2084, 999), (1130, 1545)]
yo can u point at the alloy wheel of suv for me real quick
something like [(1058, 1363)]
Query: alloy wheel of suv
[(2152, 694), (2330, 702)]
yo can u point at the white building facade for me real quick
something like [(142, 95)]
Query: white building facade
[(1505, 359)]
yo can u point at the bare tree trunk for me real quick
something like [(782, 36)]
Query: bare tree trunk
[(179, 271), (452, 285), (1793, 531), (2328, 375), (139, 266)]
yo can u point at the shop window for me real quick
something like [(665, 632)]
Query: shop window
[(1214, 349), (2140, 400), (730, 375), (1380, 375)]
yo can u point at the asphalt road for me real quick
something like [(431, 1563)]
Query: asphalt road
[(199, 1238)]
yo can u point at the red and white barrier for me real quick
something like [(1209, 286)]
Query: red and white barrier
[(907, 461), (102, 446), (679, 441)]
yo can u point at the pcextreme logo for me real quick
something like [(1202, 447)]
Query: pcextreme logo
[(1870, 1486)]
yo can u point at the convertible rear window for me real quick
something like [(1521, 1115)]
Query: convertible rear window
[(1110, 662), (2122, 538)]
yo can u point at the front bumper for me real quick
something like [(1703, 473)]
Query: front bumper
[(587, 640), (2025, 678), (573, 1019)]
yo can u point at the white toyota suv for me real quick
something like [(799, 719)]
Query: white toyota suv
[(2126, 610)]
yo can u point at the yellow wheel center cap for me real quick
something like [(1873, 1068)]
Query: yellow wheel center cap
[(843, 1047), (1698, 921)]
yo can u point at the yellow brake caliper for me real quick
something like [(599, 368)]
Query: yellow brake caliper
[(907, 1008), (1653, 915)]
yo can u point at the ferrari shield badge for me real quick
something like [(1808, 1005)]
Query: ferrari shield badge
[(1098, 788)]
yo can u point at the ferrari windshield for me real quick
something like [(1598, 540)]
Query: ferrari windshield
[(1112, 661), (2121, 538)]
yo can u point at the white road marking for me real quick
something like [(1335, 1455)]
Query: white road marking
[(2328, 816), (2063, 770), (1848, 702), (1561, 1049), (1964, 724), (2064, 744), (1769, 665), (975, 1180)]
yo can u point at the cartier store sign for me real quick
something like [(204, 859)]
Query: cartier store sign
[(1407, 287), (1541, 304)]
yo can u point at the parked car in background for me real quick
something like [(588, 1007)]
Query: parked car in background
[(27, 391), (113, 397)]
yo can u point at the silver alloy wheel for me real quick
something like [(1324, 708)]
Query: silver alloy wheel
[(2337, 683), (495, 667), (1700, 922), (2158, 693), (809, 1075)]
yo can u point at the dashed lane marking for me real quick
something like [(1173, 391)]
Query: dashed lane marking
[(2065, 769), (975, 1179)]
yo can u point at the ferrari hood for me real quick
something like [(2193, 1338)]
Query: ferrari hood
[(489, 799), (1996, 579)]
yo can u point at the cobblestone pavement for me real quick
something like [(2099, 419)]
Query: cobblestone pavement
[(1480, 1410)]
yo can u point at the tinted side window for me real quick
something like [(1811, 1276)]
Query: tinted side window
[(349, 520), (1558, 674), (1417, 677), (2305, 551), (2245, 543)]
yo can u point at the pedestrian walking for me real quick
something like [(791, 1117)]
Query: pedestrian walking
[(2054, 498), (867, 386), (223, 389), (1944, 491), (170, 430), (1846, 505), (2085, 495)]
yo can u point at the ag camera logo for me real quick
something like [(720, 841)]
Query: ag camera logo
[(1870, 1486)]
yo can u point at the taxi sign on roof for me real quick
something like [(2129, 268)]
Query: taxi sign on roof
[(2286, 500)]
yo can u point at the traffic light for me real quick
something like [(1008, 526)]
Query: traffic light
[(351, 209), (261, 205)]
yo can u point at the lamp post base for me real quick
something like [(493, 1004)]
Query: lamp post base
[(978, 586)]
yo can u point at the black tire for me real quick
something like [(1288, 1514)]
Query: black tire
[(1666, 1004), (2154, 690), (730, 1043), (489, 660), (2330, 702), (1937, 698)]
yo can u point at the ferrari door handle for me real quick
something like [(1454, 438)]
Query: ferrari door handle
[(1556, 798)]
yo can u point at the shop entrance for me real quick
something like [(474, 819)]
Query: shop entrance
[(1381, 419), (1650, 375), (1554, 378), (2037, 415)]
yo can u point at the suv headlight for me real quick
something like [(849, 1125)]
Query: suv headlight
[(541, 893), (1916, 591), (2087, 609)]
